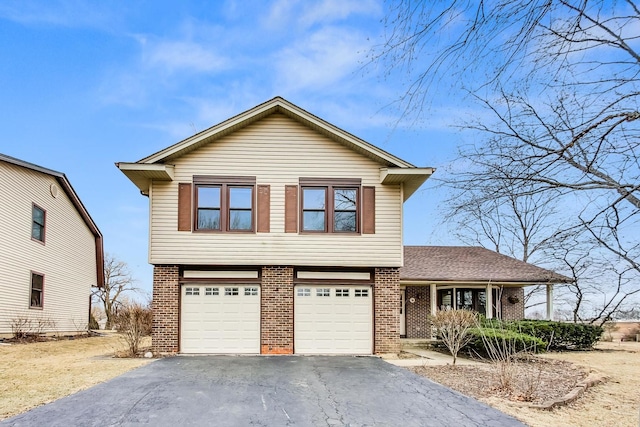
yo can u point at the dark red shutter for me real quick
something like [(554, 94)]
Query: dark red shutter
[(291, 209), (368, 210), (264, 208), (184, 207)]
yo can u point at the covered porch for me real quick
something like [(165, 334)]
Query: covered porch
[(474, 278)]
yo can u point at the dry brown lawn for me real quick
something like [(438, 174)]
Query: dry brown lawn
[(37, 373), (614, 403)]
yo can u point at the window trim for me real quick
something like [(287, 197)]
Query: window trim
[(44, 226), (331, 185), (225, 183), (31, 306)]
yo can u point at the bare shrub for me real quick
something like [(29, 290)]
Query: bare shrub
[(24, 327), (20, 327), (42, 325), (133, 321), (453, 328), (513, 360)]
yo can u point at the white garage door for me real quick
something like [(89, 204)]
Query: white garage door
[(220, 319), (333, 320)]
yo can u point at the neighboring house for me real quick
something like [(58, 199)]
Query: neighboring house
[(50, 251), (276, 232), (474, 278)]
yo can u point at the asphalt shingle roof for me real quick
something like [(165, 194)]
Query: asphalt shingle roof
[(470, 263)]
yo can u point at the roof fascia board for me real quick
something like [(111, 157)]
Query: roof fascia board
[(411, 179), (141, 174)]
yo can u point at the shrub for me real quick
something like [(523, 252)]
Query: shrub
[(561, 335), (133, 321), (453, 328), (510, 342)]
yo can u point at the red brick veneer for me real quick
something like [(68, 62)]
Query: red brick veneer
[(276, 332), (165, 333), (386, 305)]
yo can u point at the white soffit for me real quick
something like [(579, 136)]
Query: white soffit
[(220, 274), (334, 275)]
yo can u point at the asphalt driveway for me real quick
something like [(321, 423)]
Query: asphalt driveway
[(266, 391)]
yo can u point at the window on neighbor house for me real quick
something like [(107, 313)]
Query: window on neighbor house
[(330, 208), (37, 290), (224, 206), (38, 217)]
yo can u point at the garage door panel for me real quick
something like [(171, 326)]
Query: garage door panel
[(220, 319), (333, 320)]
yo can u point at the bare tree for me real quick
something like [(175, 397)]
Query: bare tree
[(560, 80), (118, 281)]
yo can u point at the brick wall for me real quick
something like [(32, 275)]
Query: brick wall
[(416, 313), (512, 311), (387, 310), (165, 332), (276, 336)]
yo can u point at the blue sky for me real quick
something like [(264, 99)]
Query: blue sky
[(86, 84)]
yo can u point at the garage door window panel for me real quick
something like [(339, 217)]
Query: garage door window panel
[(342, 292), (323, 292), (192, 291), (304, 292), (361, 293)]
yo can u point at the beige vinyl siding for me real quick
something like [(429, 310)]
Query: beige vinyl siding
[(67, 259), (277, 151)]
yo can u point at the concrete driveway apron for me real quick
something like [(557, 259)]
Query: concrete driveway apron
[(266, 391)]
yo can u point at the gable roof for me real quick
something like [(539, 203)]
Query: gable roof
[(75, 200), (471, 264), (156, 166)]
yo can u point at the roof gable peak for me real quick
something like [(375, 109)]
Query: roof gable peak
[(272, 106)]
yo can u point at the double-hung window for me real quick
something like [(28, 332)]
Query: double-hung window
[(224, 203), (38, 216), (330, 206), (37, 290)]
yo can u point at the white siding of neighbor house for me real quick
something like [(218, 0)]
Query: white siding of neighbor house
[(67, 259), (278, 151)]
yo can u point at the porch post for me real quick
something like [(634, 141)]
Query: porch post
[(434, 299), (549, 302), (489, 301)]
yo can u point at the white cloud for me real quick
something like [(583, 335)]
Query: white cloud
[(65, 13), (333, 10), (320, 60), (285, 14), (182, 55)]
